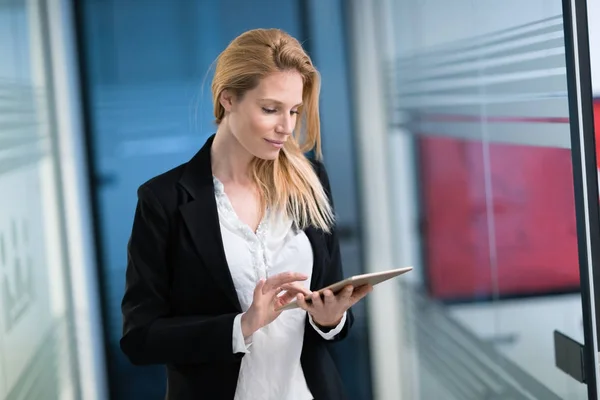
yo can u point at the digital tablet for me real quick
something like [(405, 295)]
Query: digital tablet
[(356, 281)]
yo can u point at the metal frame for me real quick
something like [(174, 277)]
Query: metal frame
[(585, 175)]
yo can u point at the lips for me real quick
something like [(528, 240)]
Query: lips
[(277, 143)]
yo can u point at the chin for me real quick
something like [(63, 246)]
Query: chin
[(268, 152), (268, 156)]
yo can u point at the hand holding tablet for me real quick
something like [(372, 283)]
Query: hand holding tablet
[(356, 281)]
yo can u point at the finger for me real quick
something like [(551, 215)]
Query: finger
[(283, 278), (286, 298), (317, 303), (301, 300), (361, 292), (290, 294), (329, 298), (296, 288), (346, 293)]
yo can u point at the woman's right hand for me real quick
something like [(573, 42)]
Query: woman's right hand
[(267, 300)]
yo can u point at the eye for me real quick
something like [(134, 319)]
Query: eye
[(269, 110), (296, 112)]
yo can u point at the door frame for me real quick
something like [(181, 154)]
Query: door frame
[(585, 176)]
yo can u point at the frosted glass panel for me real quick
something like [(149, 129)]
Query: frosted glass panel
[(36, 339), (480, 93)]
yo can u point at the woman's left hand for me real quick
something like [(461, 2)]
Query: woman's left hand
[(328, 312)]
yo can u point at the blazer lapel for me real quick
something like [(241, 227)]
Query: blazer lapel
[(202, 220)]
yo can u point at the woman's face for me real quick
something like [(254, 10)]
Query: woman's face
[(264, 118)]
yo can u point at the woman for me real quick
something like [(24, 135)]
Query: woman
[(221, 242)]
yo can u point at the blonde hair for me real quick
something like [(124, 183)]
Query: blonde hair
[(289, 183)]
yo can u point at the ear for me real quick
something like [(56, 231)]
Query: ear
[(226, 99)]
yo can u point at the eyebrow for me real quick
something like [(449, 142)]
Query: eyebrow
[(279, 102)]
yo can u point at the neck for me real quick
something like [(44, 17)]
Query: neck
[(229, 159)]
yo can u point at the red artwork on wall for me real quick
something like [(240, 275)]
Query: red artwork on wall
[(516, 236)]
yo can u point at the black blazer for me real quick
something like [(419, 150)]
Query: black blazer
[(180, 301)]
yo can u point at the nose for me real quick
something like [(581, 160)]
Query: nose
[(286, 126)]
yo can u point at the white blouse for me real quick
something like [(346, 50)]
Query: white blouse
[(271, 366)]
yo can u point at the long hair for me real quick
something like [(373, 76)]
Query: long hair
[(288, 184)]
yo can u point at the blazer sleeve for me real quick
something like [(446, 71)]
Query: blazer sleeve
[(335, 271), (151, 334)]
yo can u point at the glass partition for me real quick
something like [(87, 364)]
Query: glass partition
[(479, 98), (37, 336)]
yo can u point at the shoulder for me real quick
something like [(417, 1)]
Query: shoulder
[(316, 164), (320, 171), (163, 187)]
